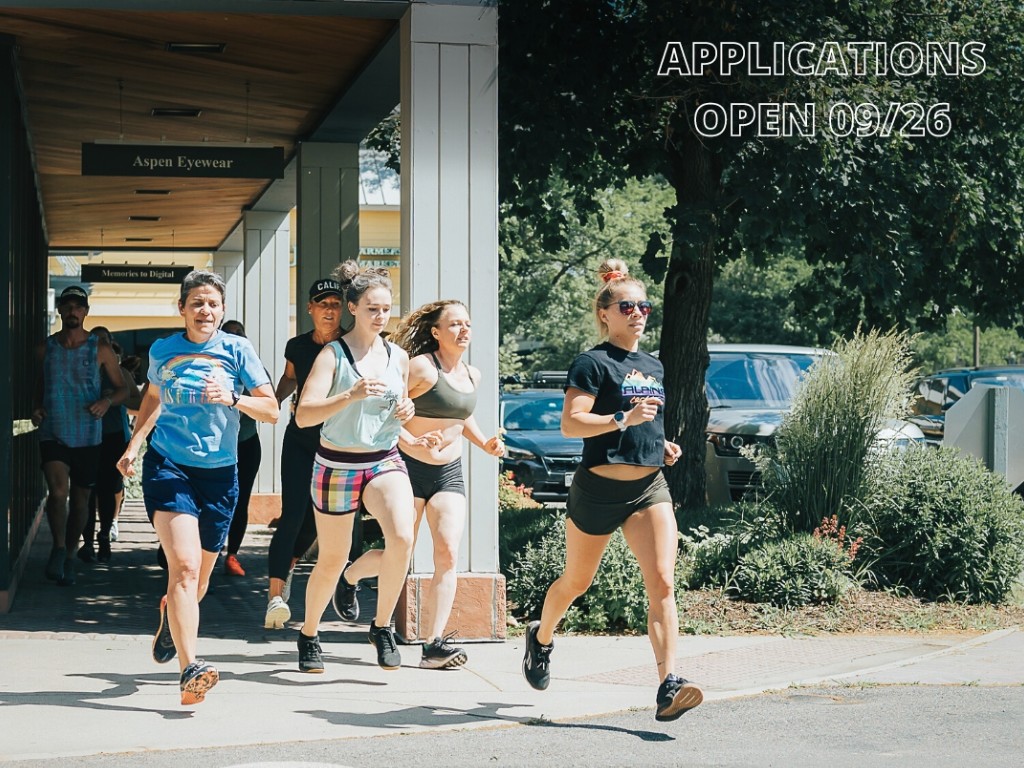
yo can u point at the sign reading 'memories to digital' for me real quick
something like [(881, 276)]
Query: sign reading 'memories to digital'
[(133, 273), (190, 161)]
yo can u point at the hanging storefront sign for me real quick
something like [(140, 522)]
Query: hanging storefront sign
[(133, 273), (190, 161)]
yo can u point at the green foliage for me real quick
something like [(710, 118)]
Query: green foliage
[(942, 526), (953, 345), (521, 521), (799, 570), (133, 484), (817, 464), (754, 302), (546, 297), (714, 555), (615, 601)]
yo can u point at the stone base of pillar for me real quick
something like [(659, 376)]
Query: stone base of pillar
[(264, 507), (478, 613)]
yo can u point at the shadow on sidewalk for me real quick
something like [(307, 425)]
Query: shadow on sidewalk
[(121, 597)]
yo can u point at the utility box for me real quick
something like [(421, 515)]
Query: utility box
[(988, 423)]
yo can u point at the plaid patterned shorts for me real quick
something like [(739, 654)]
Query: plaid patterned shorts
[(339, 477)]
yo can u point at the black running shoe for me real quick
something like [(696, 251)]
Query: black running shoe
[(536, 658), (676, 697), (345, 600), (387, 649), (311, 657), (163, 643), (441, 654), (196, 679)]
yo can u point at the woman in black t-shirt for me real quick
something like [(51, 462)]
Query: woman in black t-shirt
[(615, 401)]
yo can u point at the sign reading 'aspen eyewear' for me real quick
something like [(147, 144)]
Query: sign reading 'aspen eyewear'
[(132, 273), (189, 161)]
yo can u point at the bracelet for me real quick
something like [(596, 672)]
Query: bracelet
[(234, 399), (110, 403)]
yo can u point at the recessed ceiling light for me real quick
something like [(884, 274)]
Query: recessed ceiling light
[(196, 47), (152, 191), (143, 218), (138, 239), (176, 112)]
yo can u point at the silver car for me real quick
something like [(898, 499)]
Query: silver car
[(749, 389)]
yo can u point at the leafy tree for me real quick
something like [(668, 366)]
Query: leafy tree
[(953, 346), (547, 297), (895, 228)]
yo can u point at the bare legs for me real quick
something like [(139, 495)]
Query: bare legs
[(388, 498), (446, 516), (188, 577), (651, 536)]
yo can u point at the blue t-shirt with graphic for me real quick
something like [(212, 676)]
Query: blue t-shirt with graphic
[(190, 431), (618, 380)]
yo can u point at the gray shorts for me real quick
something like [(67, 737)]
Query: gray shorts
[(599, 505)]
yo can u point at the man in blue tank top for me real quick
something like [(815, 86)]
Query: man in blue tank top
[(68, 409)]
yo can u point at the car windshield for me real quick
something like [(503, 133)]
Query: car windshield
[(754, 380), (542, 413)]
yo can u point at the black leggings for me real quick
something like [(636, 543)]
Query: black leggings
[(296, 528), (249, 456)]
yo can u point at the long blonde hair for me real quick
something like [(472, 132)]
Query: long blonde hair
[(613, 275), (413, 332)]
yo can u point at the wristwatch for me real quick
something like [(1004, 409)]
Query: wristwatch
[(234, 399), (620, 421)]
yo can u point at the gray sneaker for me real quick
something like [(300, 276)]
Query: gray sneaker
[(676, 697), (439, 653), (383, 638)]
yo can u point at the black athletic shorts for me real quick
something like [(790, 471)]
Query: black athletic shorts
[(430, 479), (83, 463), (599, 505)]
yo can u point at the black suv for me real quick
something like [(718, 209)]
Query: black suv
[(536, 453), (937, 393)]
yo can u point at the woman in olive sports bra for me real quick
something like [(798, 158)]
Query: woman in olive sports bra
[(443, 388)]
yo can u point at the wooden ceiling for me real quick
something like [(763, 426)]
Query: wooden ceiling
[(96, 76)]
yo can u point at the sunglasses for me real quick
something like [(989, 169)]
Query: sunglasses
[(627, 307)]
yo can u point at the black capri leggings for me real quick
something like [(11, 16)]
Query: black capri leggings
[(296, 529)]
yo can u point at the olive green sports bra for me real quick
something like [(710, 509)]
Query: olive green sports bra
[(443, 401)]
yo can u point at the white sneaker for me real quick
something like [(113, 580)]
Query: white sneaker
[(113, 531), (286, 591), (278, 614)]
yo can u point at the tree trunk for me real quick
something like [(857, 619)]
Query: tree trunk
[(684, 351)]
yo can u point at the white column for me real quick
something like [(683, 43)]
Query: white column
[(267, 238), (328, 216), (228, 264), (449, 90)]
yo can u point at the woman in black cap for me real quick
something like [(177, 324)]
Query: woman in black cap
[(296, 528)]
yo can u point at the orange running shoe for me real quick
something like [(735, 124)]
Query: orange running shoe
[(232, 567)]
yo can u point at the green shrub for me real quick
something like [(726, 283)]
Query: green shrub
[(133, 484), (817, 465), (942, 526), (799, 570), (615, 601), (521, 520), (713, 556)]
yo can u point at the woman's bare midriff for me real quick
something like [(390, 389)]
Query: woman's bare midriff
[(623, 471), (420, 425)]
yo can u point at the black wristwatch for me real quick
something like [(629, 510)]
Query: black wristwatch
[(234, 399), (620, 421)]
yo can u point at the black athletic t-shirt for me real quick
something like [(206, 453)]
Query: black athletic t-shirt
[(618, 380), (301, 352)]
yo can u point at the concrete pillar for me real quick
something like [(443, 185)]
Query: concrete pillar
[(265, 306), (449, 69), (328, 217)]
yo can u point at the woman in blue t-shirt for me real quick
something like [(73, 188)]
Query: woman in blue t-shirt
[(615, 401), (189, 472)]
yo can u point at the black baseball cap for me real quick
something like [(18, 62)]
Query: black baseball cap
[(323, 288), (74, 293)]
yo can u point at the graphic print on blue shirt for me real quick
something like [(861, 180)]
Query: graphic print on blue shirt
[(637, 387), (183, 379)]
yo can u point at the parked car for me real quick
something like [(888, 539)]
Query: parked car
[(938, 392), (749, 389), (536, 453)]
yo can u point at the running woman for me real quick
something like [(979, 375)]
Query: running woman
[(615, 401), (189, 474), (443, 388), (358, 390)]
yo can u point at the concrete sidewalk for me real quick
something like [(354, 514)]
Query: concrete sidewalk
[(74, 656)]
